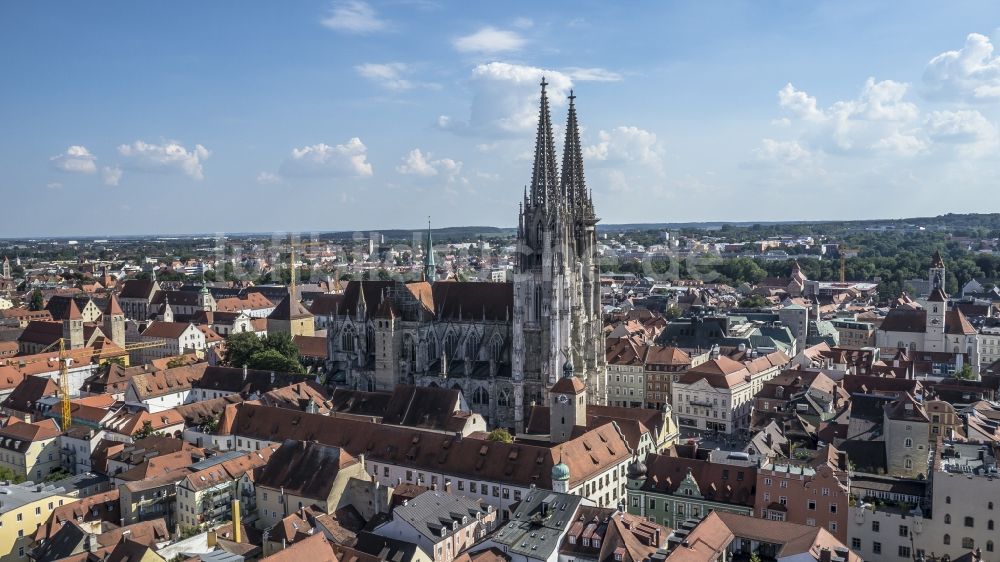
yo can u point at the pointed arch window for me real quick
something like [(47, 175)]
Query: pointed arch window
[(472, 347), (409, 349), (496, 348), (480, 397), (347, 337), (450, 344), (370, 339), (503, 400)]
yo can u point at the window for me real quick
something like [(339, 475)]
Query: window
[(908, 463), (833, 508), (989, 546), (904, 551), (877, 547), (970, 522), (875, 526), (947, 499), (856, 543), (989, 525), (811, 505), (904, 531), (967, 542), (947, 519), (947, 539), (908, 443)]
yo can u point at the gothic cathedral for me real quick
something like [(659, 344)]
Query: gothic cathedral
[(504, 345)]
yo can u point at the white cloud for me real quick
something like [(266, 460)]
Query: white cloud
[(268, 178), (961, 126), (348, 159), (627, 145), (971, 73), (489, 40), (388, 75), (878, 120), (799, 103), (781, 152), (77, 159), (418, 163), (524, 23), (395, 76), (505, 99), (353, 16), (593, 75), (111, 175), (54, 185), (167, 157)]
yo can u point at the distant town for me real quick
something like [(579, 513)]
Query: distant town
[(557, 391)]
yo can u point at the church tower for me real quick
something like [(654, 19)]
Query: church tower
[(5, 271), (556, 282), (936, 274), (430, 268), (567, 406), (72, 331), (113, 321)]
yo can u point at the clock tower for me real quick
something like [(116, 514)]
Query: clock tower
[(567, 405)]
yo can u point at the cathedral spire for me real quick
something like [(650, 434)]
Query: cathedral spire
[(430, 268), (544, 175), (573, 185)]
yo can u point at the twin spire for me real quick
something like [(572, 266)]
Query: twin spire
[(547, 187)]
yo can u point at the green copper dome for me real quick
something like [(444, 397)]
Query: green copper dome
[(560, 472)]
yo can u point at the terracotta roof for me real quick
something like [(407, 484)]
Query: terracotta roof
[(314, 549), (168, 381), (311, 346), (18, 436), (717, 482), (568, 385), (100, 507), (10, 377), (112, 308), (587, 454), (956, 323), (305, 468), (667, 355)]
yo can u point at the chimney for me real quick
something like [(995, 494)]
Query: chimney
[(237, 525), (213, 539), (825, 554), (447, 486)]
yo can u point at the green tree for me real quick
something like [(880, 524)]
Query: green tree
[(273, 360), (965, 373), (240, 347), (500, 435), (37, 302)]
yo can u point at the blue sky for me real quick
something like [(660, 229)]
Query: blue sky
[(138, 117)]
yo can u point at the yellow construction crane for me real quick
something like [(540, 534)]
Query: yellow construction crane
[(843, 261), (64, 388)]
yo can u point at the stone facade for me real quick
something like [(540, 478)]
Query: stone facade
[(502, 344)]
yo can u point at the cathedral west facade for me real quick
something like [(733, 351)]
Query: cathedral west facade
[(503, 344)]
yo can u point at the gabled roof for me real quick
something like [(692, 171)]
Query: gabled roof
[(305, 468), (138, 289), (26, 395), (289, 309), (113, 308)]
